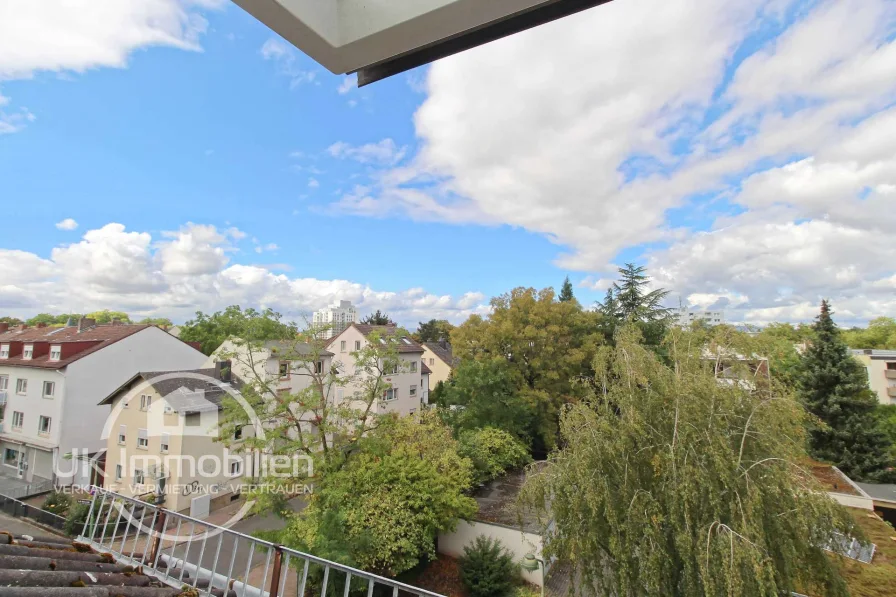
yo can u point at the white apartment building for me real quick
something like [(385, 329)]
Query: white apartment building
[(881, 367), (51, 380), (687, 315), (335, 318), (409, 383)]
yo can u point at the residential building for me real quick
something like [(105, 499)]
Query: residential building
[(409, 384), (438, 357), (50, 380), (687, 315), (731, 368), (161, 440), (333, 319), (881, 367)]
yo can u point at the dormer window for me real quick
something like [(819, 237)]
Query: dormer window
[(55, 352), (28, 351), (4, 351)]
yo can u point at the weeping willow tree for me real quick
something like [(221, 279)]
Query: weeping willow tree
[(673, 481)]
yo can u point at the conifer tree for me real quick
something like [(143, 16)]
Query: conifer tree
[(566, 294)]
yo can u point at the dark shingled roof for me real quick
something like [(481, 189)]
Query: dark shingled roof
[(93, 339), (424, 368), (192, 390), (443, 352), (45, 565)]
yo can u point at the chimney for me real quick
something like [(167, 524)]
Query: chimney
[(85, 323), (4, 326), (41, 325), (116, 321), (443, 343), (23, 327), (222, 371)]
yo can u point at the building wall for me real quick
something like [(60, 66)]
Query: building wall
[(403, 381), (440, 369), (877, 376), (33, 405), (91, 379), (188, 462), (515, 541)]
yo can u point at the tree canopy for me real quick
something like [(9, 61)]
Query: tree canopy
[(382, 510), (546, 345), (106, 316), (160, 321), (250, 325), (377, 318), (433, 330), (834, 387), (880, 333), (669, 482)]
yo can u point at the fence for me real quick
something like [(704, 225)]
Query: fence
[(180, 550), (18, 509), (36, 487)]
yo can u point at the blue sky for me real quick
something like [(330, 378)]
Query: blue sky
[(566, 150)]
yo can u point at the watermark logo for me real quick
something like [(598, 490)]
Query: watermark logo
[(159, 437)]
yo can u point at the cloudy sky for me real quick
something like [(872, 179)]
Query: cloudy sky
[(164, 156)]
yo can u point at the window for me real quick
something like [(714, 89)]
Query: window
[(432, 361), (238, 433), (18, 419), (55, 353), (4, 382), (390, 394), (413, 366), (145, 402), (49, 389), (11, 457), (192, 420), (357, 345), (340, 394), (284, 369), (118, 472), (122, 434), (138, 477), (891, 366), (28, 351), (142, 439), (4, 351), (164, 442), (319, 367), (413, 391), (43, 425), (236, 468), (21, 386), (342, 346)]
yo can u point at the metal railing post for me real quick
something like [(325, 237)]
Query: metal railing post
[(275, 575), (157, 535)]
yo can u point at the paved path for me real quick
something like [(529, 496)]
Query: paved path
[(18, 526)]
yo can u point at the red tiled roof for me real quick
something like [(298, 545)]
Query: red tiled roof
[(90, 341)]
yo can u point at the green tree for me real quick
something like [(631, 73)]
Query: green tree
[(488, 569), (887, 415), (566, 294), (834, 387), (382, 510), (484, 393), (635, 302), (880, 333), (160, 321), (378, 318), (249, 325), (492, 452), (547, 346), (670, 483), (11, 320), (433, 330), (106, 316)]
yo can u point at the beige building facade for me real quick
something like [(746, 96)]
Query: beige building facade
[(440, 360), (881, 368)]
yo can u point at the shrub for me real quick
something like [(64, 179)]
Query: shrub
[(492, 451), (487, 569), (77, 516), (57, 503)]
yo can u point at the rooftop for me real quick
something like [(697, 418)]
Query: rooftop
[(884, 492), (190, 390), (75, 344), (441, 350), (497, 501), (406, 344)]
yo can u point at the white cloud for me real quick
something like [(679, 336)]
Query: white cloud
[(349, 82), (591, 131), (313, 183), (67, 224), (186, 270), (383, 153), (284, 56)]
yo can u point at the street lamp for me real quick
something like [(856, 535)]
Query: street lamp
[(530, 564)]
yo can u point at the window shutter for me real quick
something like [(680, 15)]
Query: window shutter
[(141, 434), (123, 430)]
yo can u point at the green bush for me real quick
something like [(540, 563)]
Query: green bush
[(492, 451), (57, 503), (487, 569), (77, 516)]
